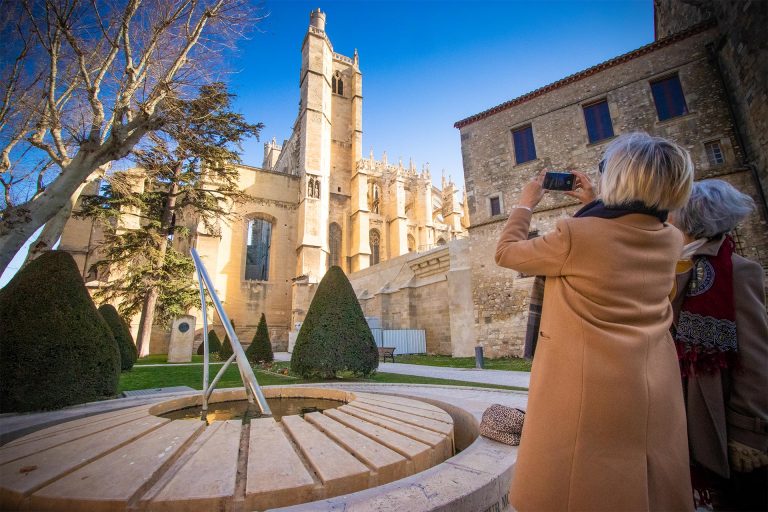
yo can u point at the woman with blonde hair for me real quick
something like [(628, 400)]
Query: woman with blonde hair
[(721, 333), (605, 425)]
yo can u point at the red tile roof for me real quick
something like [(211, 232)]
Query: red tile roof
[(621, 59)]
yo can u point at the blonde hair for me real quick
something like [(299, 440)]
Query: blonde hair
[(651, 170)]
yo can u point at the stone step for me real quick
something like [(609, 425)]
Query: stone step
[(417, 453), (22, 476), (276, 475), (338, 470), (208, 473), (112, 481), (387, 465), (403, 414)]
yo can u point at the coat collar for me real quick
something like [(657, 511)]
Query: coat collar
[(641, 221), (711, 247)]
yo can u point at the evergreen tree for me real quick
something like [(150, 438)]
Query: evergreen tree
[(189, 178), (226, 346), (122, 334), (261, 347), (334, 336), (214, 345), (55, 348)]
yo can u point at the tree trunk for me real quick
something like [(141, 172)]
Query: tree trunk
[(150, 300), (145, 324)]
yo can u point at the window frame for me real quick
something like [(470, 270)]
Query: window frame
[(249, 236), (375, 257), (666, 78), (490, 204), (522, 128), (707, 145), (591, 105)]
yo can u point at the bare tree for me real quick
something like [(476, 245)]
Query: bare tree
[(81, 82)]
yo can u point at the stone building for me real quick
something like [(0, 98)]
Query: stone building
[(316, 202), (675, 87)]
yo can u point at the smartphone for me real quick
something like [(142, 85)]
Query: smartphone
[(558, 180)]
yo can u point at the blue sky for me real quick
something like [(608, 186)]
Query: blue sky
[(427, 64)]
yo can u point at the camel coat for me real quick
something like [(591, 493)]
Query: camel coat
[(731, 405), (605, 427)]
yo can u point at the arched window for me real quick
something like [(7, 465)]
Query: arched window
[(441, 241), (375, 240), (257, 250), (317, 188), (411, 243), (334, 245), (337, 84)]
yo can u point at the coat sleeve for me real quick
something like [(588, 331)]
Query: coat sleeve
[(542, 256), (748, 400)]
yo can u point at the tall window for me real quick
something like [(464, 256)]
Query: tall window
[(411, 243), (257, 251), (525, 149), (334, 245), (375, 240), (337, 84), (669, 99), (598, 120), (495, 206), (715, 154)]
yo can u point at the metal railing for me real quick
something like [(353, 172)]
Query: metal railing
[(252, 388)]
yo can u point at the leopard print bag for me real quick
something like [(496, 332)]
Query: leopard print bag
[(502, 424)]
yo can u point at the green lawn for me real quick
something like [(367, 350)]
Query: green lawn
[(163, 359), (504, 363), (192, 376)]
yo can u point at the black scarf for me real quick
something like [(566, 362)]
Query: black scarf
[(594, 209), (597, 209)]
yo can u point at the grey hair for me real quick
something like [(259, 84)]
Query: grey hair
[(651, 170), (715, 208)]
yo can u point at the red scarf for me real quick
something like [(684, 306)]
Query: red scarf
[(706, 330)]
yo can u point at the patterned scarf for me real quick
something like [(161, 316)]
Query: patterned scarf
[(594, 209), (705, 335)]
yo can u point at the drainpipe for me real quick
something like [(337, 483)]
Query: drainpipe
[(712, 52)]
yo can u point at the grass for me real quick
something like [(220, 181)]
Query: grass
[(504, 363), (163, 359), (192, 376)]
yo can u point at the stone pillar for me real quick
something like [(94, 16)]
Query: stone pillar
[(424, 211), (398, 222), (359, 244), (182, 339)]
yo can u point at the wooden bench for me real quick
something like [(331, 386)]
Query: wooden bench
[(387, 352)]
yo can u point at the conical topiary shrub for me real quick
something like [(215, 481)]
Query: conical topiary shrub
[(214, 345), (226, 346), (122, 334), (55, 348), (260, 348), (334, 336)]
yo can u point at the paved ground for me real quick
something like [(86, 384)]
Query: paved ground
[(501, 377)]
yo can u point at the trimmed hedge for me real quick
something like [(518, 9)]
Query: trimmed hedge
[(55, 348), (122, 334), (260, 348), (214, 345), (334, 337), (226, 346)]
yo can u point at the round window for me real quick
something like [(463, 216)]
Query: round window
[(183, 326)]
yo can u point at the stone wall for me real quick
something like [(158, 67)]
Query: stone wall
[(417, 291), (500, 296)]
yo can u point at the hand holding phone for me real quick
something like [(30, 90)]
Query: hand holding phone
[(558, 180)]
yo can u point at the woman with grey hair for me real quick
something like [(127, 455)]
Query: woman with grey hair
[(605, 422), (721, 334)]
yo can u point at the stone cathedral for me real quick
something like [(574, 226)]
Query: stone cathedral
[(316, 202)]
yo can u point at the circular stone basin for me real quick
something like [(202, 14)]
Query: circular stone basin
[(136, 458)]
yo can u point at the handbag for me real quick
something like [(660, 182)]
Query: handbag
[(503, 424)]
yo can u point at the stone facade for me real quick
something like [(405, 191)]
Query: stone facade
[(426, 290), (555, 114), (322, 201)]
